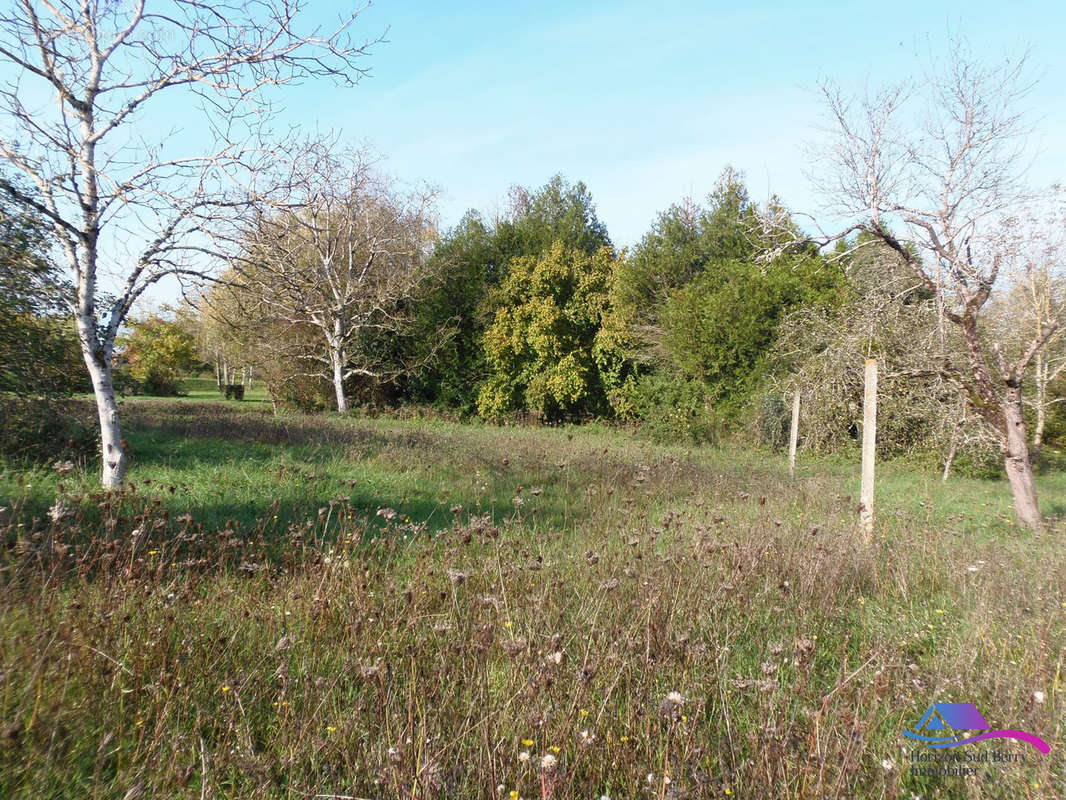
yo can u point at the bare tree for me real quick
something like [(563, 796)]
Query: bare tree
[(887, 314), (215, 317), (1036, 269), (126, 210), (346, 254), (946, 177), (236, 328)]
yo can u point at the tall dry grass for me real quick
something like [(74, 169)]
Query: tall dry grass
[(676, 631)]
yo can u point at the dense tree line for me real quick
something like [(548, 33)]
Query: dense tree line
[(705, 327), (533, 313), (339, 288)]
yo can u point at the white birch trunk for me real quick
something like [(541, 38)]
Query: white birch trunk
[(337, 361), (336, 357), (98, 362)]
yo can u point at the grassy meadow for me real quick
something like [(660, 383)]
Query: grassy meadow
[(339, 607)]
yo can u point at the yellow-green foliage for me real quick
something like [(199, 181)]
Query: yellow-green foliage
[(157, 352), (541, 347)]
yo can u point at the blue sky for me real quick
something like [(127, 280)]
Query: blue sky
[(644, 102), (647, 102)]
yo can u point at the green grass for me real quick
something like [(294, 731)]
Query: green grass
[(243, 622), (231, 460), (199, 388), (205, 388)]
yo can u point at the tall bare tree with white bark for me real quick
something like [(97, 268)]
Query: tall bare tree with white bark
[(346, 253), (935, 172), (128, 201)]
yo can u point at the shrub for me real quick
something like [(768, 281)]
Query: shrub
[(671, 409), (980, 460), (41, 429), (774, 420), (302, 393)]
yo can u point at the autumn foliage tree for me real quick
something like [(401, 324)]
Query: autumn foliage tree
[(156, 353)]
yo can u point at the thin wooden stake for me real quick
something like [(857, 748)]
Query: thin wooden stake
[(869, 448), (954, 447), (793, 434)]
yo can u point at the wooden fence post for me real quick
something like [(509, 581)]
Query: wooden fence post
[(793, 434), (869, 448)]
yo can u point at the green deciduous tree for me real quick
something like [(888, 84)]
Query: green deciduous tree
[(156, 352), (474, 259), (542, 345), (697, 301), (39, 352), (40, 360)]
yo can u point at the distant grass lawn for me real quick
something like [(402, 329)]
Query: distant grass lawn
[(233, 459), (327, 606), (205, 388)]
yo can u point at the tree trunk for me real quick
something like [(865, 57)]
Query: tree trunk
[(1041, 407), (114, 461), (1019, 468), (218, 371), (949, 460), (337, 360), (336, 357)]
